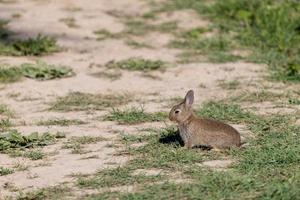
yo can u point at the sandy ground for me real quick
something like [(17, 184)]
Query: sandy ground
[(82, 51)]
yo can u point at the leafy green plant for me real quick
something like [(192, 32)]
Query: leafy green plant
[(43, 71), (13, 140)]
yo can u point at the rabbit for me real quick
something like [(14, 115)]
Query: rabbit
[(196, 131)]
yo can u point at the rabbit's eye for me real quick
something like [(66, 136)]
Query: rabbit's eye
[(177, 111)]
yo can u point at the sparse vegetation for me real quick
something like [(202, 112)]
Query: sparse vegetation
[(70, 22), (5, 171), (76, 144), (134, 116), (78, 101), (60, 122), (10, 74), (137, 64)]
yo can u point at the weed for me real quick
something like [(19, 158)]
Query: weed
[(78, 101), (60, 122), (14, 141), (134, 116), (137, 64), (43, 71), (39, 71), (5, 171)]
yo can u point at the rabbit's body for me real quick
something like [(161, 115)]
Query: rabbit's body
[(196, 131)]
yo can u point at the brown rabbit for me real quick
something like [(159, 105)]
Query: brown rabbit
[(196, 131)]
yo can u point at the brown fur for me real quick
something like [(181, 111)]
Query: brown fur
[(198, 131)]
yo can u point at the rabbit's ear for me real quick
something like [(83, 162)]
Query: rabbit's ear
[(189, 98)]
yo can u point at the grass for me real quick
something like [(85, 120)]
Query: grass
[(38, 46), (229, 85), (39, 71), (4, 110), (61, 122), (50, 193), (134, 116), (5, 171), (215, 49), (5, 124), (115, 75), (115, 177), (137, 45), (76, 144), (70, 22), (259, 96), (78, 101), (137, 64), (34, 154), (269, 29), (104, 34), (267, 169), (10, 74)]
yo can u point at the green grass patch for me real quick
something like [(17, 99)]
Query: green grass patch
[(4, 110), (104, 34), (267, 169), (115, 177), (61, 122), (137, 45), (34, 154), (78, 101), (5, 171), (38, 46), (76, 144), (10, 74), (229, 85), (134, 116), (50, 193), (137, 64), (5, 124), (259, 96), (269, 29)]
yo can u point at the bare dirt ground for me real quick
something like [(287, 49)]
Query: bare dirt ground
[(83, 53)]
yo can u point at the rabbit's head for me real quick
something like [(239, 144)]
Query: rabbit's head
[(181, 112)]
